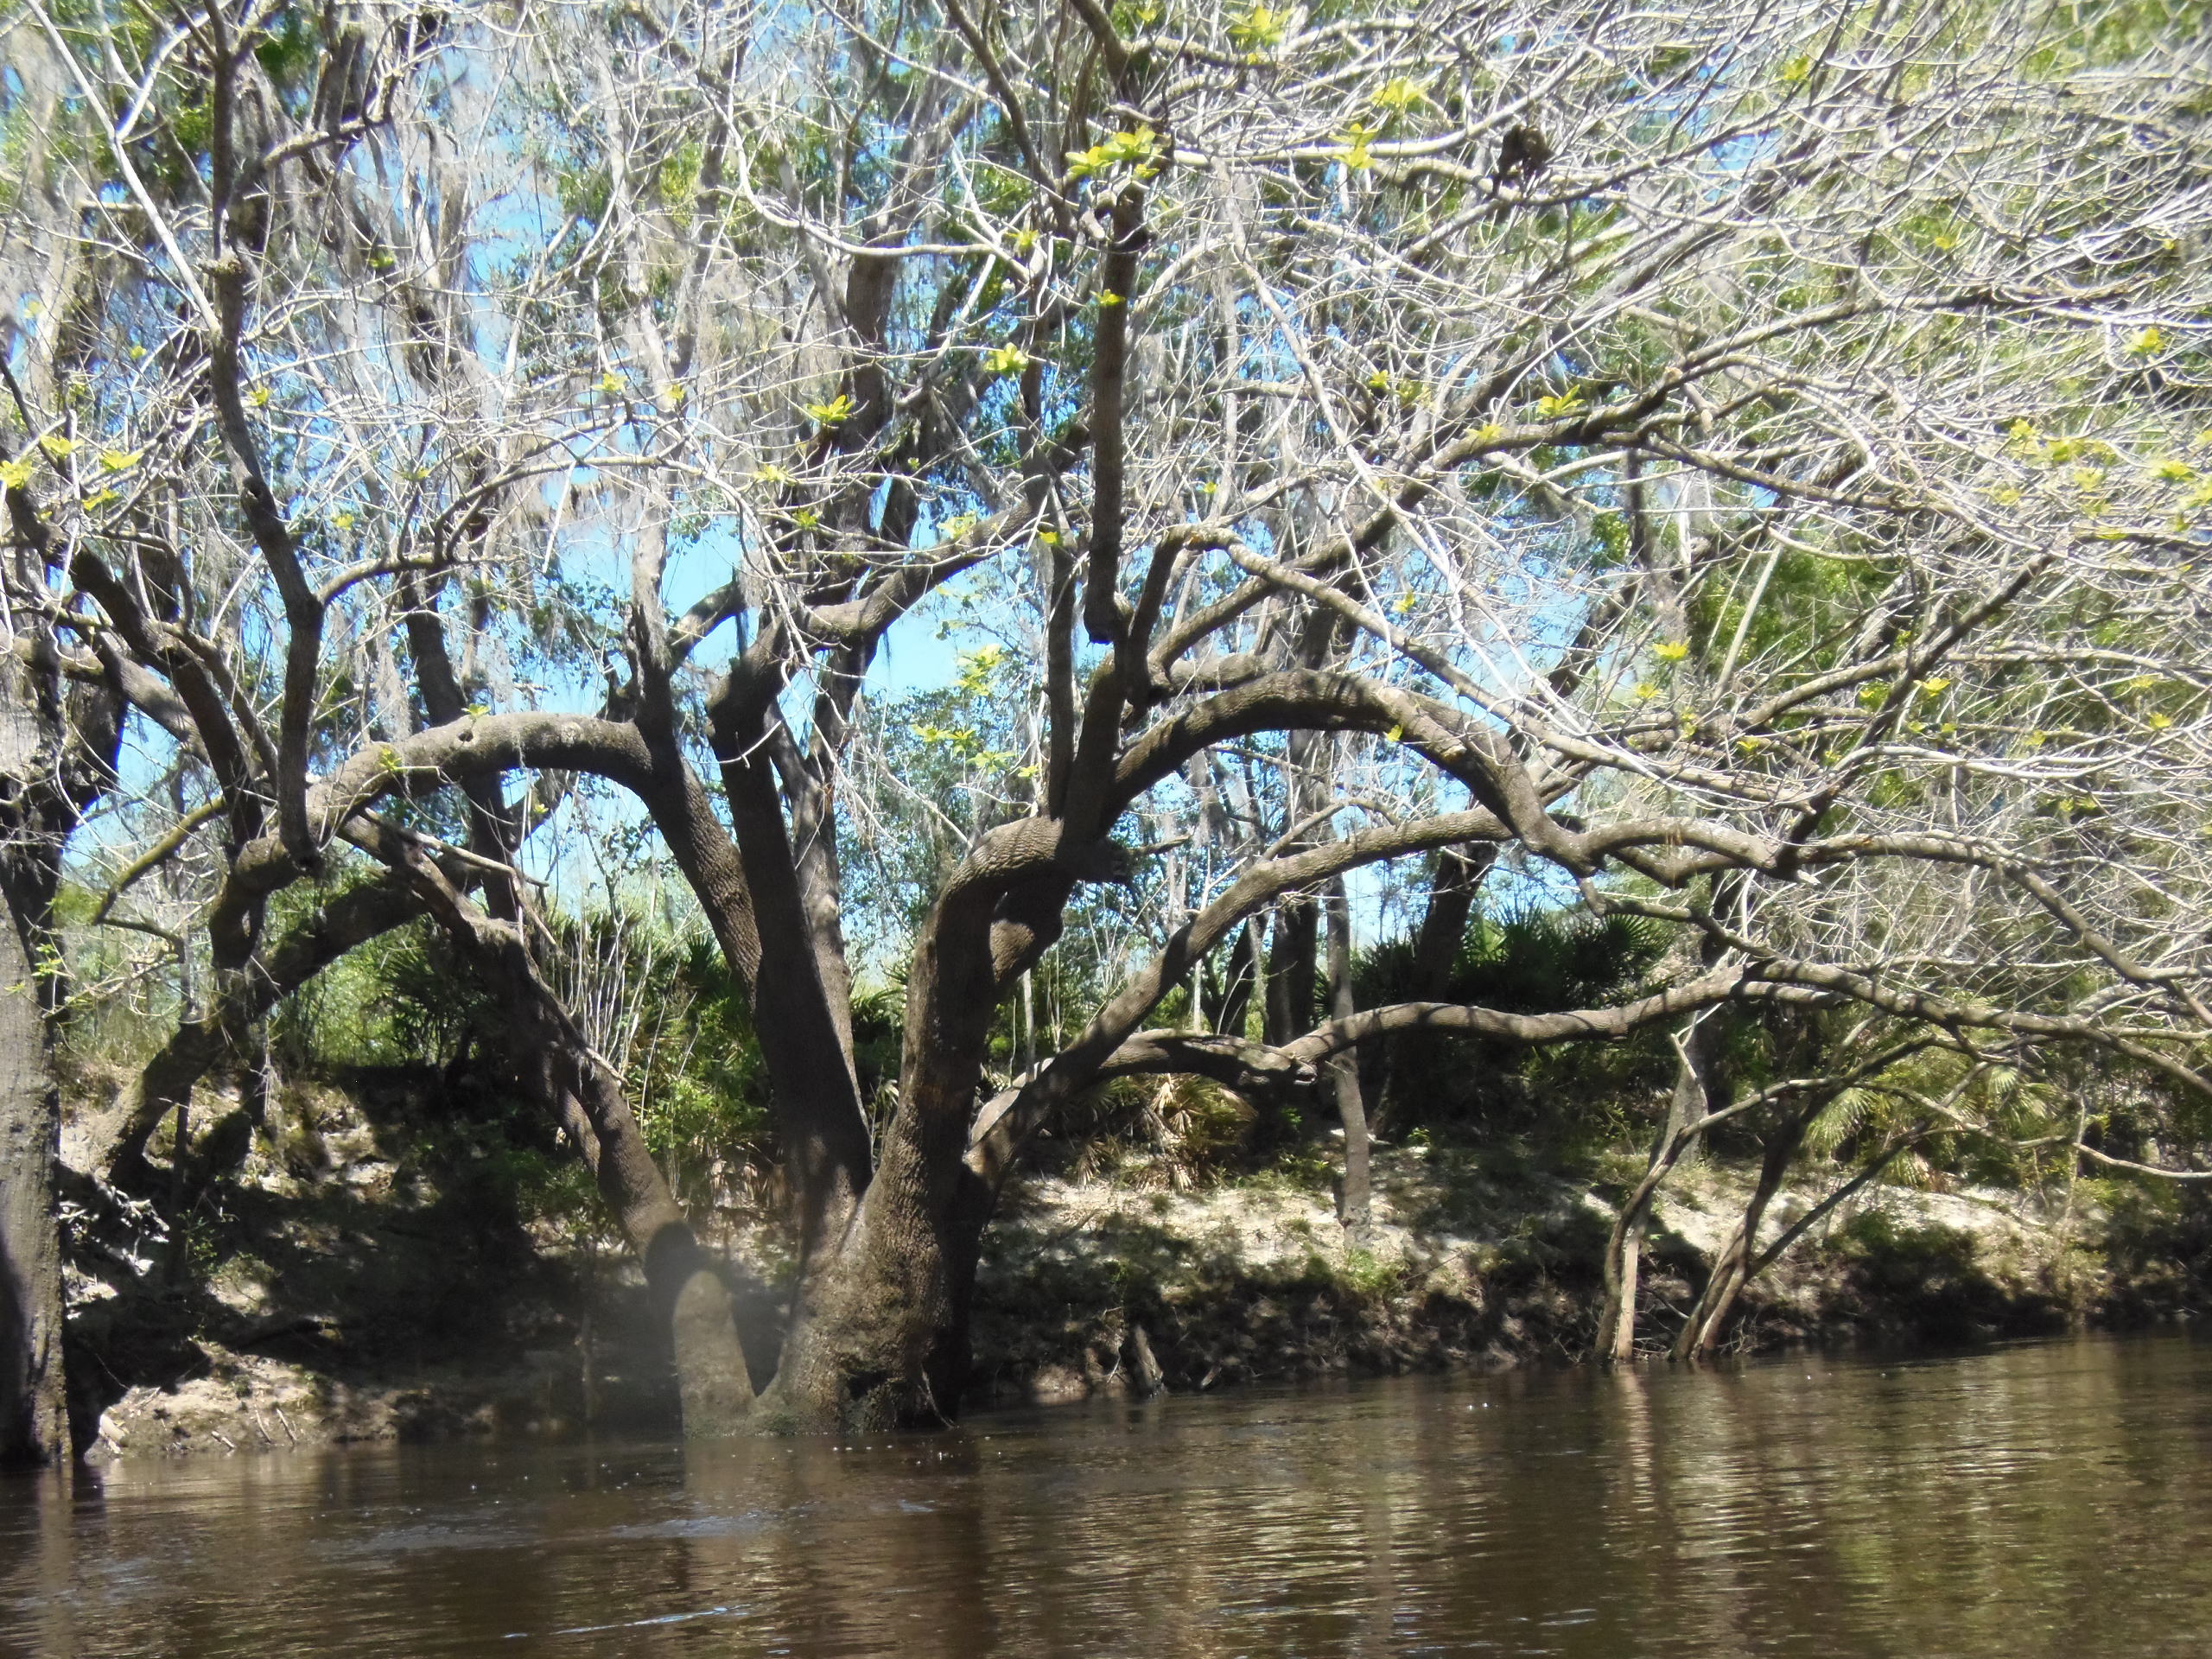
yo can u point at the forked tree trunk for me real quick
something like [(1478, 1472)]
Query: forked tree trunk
[(878, 1333), (878, 1339), (1231, 1006), (34, 1417)]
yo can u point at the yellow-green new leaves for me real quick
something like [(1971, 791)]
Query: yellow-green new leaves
[(1260, 29), (14, 474), (1006, 359), (836, 412), (1138, 149), (1407, 392), (1400, 95), (978, 669), (57, 447), (120, 461), (1356, 138)]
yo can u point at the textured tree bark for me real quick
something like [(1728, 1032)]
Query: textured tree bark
[(57, 754), (34, 1417), (878, 1334)]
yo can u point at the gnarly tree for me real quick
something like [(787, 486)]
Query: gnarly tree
[(1732, 469)]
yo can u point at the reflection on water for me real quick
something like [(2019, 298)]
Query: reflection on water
[(2049, 1500)]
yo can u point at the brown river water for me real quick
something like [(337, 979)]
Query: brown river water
[(2051, 1499)]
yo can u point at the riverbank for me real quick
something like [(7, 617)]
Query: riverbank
[(1476, 1259), (390, 1299)]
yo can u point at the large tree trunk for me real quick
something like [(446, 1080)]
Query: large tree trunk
[(877, 1337), (34, 1417), (57, 753)]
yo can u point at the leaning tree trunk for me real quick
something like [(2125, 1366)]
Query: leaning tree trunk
[(582, 1092), (34, 1417), (688, 1294), (169, 1075)]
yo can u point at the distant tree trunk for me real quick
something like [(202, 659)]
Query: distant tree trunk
[(1293, 950), (1356, 1207), (1443, 932), (1444, 924), (1233, 1006), (1733, 1265), (33, 1419), (1688, 1102)]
